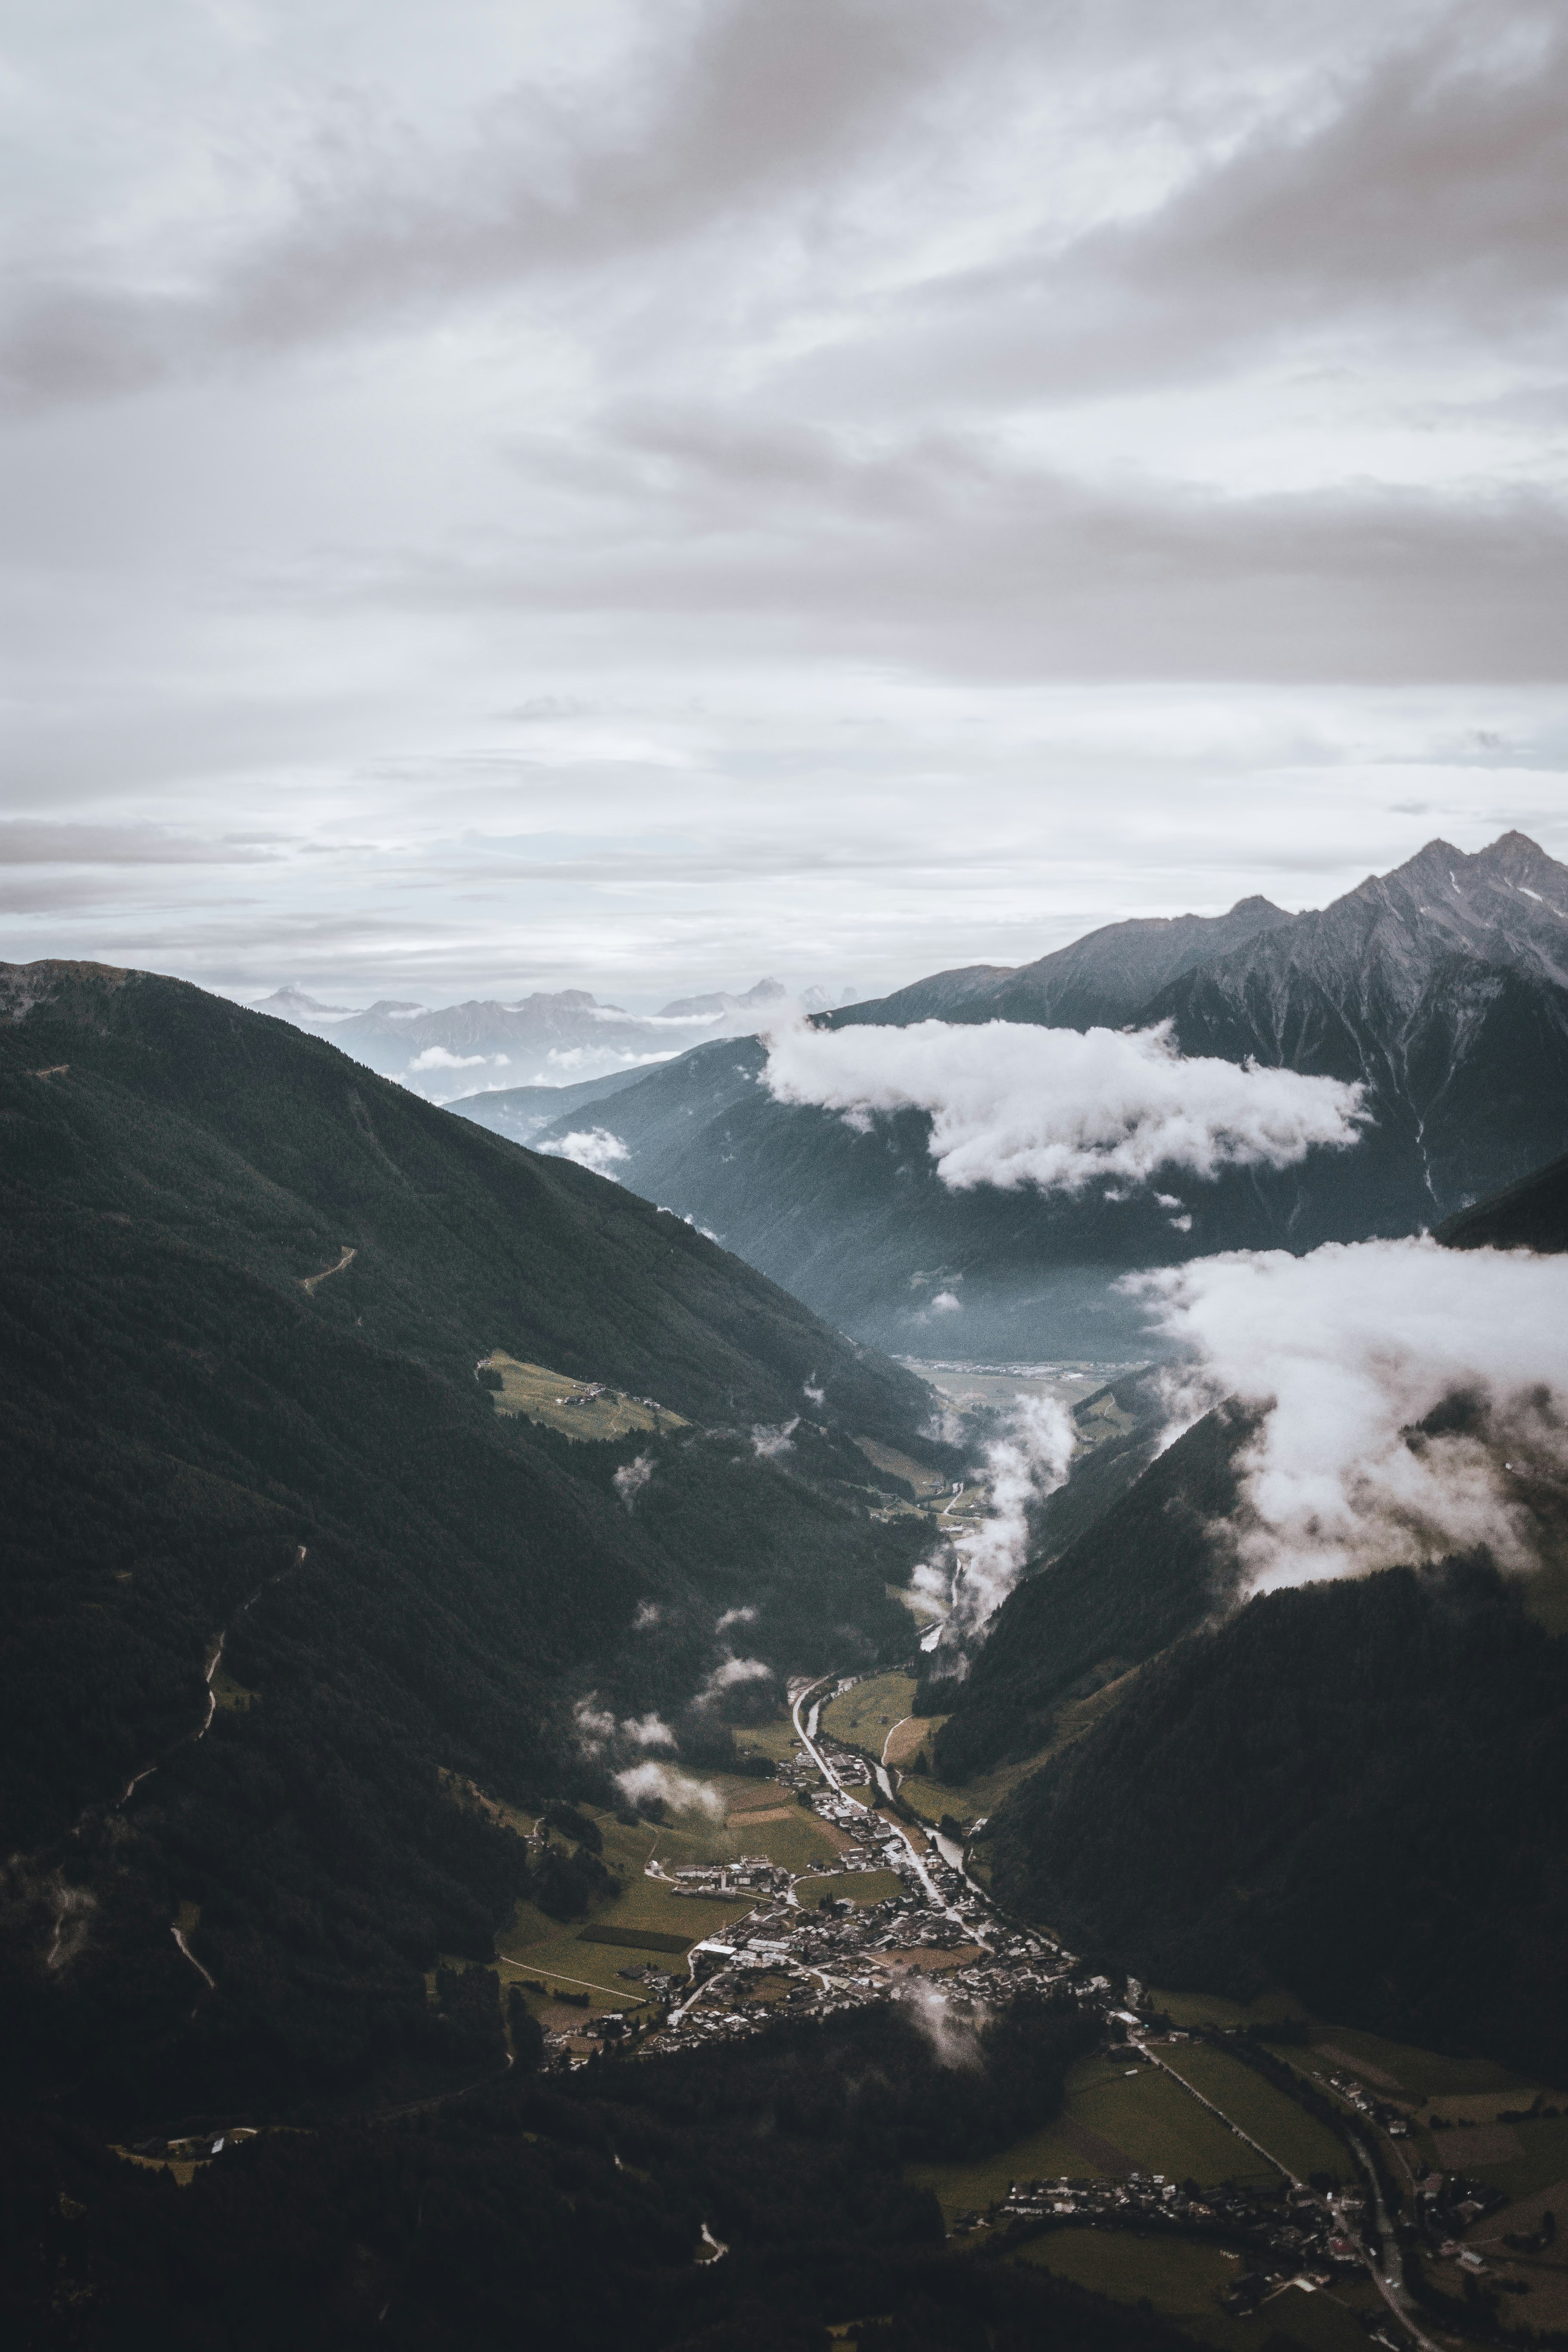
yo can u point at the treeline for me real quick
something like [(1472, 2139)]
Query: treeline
[(1357, 1789)]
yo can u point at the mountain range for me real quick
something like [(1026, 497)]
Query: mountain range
[(544, 1038), (1440, 989)]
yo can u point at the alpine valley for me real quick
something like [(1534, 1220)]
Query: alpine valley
[(513, 1829)]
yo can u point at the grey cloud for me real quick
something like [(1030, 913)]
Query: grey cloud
[(1429, 194), (30, 841), (754, 101), (945, 556)]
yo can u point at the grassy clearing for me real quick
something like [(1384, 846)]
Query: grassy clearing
[(797, 1844), (860, 1887), (576, 1408), (1543, 2159), (1423, 2074), (905, 1740), (1272, 2117), (229, 1696), (982, 1795), (864, 1716), (900, 1466), (796, 1839), (1184, 2280), (933, 1797), (775, 1739), (1158, 2124)]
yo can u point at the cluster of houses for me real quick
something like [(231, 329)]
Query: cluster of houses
[(1393, 2120), (1291, 2237), (810, 1952)]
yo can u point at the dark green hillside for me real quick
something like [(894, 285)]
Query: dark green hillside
[(1143, 1574), (1356, 1790), (1532, 1214), (408, 1585), (568, 2212)]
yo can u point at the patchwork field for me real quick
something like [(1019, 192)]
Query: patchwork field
[(561, 1954), (576, 1408)]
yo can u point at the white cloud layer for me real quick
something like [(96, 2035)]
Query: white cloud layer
[(679, 1790), (729, 1674), (1344, 1352), (1011, 1105), (594, 1148)]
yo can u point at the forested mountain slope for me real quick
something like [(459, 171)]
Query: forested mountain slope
[(1531, 1215), (1441, 989), (1357, 1789), (245, 1289)]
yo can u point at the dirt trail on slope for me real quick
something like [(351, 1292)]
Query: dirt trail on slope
[(308, 1282)]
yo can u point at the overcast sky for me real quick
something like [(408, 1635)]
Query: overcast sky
[(503, 494)]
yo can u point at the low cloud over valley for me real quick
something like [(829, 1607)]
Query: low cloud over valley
[(1012, 1105)]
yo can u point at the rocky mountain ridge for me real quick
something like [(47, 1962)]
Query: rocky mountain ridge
[(1441, 988)]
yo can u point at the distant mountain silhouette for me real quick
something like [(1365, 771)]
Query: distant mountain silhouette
[(563, 1037)]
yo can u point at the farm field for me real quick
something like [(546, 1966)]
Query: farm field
[(1272, 2117), (560, 1402), (1185, 2281), (533, 1944), (1542, 2160), (1157, 2125)]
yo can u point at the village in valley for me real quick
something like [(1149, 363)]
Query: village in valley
[(1275, 2178)]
